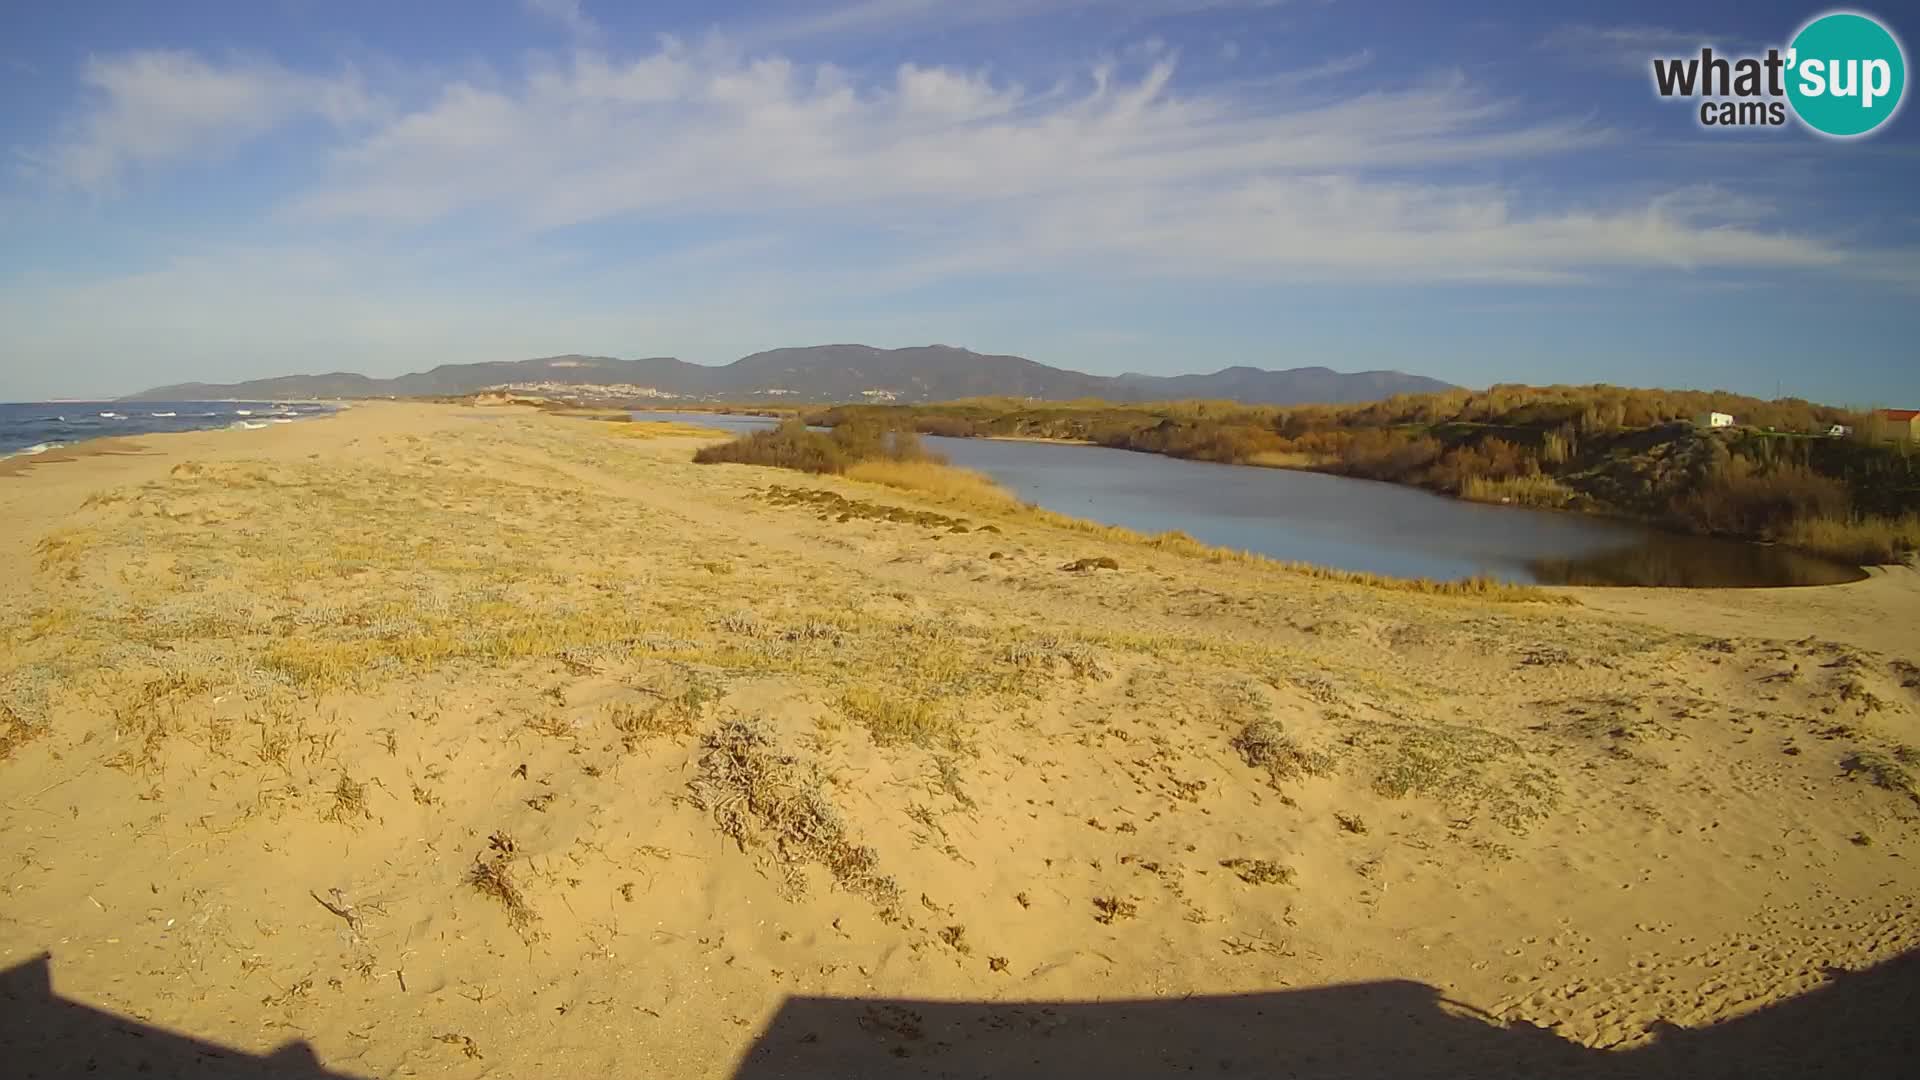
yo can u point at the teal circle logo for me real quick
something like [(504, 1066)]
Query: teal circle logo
[(1845, 74)]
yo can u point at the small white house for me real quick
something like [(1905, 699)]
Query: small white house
[(1838, 430), (1713, 420)]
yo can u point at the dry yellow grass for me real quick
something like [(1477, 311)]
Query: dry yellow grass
[(584, 411), (1278, 459), (665, 429), (1542, 491), (15, 732), (949, 483), (894, 719), (1861, 541)]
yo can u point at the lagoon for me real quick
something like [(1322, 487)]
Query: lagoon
[(1359, 525)]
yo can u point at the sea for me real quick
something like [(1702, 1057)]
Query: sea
[(35, 427)]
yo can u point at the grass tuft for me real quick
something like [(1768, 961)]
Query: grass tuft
[(1260, 871), (894, 720), (15, 731), (349, 802), (1048, 654), (1881, 770), (639, 724), (492, 875), (1463, 767), (1111, 909), (1264, 744), (760, 796)]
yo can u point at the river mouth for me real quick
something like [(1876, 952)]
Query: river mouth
[(1358, 525)]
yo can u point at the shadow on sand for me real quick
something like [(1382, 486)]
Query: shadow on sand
[(43, 1036), (1859, 1025)]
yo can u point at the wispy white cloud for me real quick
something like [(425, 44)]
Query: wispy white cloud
[(1327, 70), (692, 129), (1633, 47), (880, 18), (1118, 169), (157, 106)]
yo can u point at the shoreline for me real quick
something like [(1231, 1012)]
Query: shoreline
[(1855, 575), (17, 462), (1651, 524), (1843, 571), (1854, 572)]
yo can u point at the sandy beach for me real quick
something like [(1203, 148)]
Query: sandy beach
[(459, 741)]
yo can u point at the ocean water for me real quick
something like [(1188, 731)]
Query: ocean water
[(36, 427)]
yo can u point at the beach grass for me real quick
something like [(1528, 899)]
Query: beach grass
[(665, 429), (1862, 541)]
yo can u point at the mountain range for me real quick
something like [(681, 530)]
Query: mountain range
[(822, 373)]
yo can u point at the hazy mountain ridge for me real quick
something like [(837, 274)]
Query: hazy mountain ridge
[(832, 373)]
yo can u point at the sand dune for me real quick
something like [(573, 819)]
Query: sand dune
[(464, 741)]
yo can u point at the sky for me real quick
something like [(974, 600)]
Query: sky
[(1480, 191)]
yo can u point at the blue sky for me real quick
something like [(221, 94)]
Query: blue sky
[(1482, 192)]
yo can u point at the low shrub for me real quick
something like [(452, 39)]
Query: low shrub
[(793, 446), (1741, 497), (1862, 541)]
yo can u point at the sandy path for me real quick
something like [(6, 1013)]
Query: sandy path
[(762, 783), (1877, 614)]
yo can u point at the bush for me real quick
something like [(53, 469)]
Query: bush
[(1388, 455), (1494, 460), (1864, 541), (1740, 498), (793, 446)]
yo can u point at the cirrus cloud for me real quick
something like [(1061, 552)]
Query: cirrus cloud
[(156, 106), (953, 168)]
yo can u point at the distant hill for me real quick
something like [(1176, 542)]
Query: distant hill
[(825, 373), (1317, 385)]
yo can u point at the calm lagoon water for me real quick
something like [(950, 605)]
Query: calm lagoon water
[(1356, 524)]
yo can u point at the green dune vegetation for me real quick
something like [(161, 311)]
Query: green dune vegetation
[(1774, 477)]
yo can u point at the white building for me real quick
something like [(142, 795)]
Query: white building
[(1713, 420), (1838, 430)]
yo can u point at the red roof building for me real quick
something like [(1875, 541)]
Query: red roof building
[(1899, 423)]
